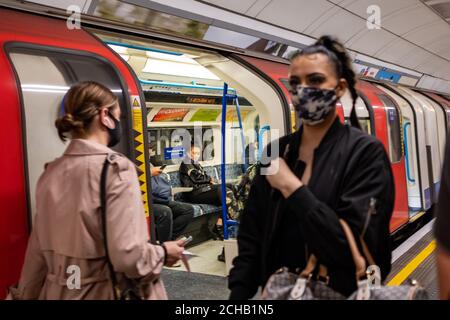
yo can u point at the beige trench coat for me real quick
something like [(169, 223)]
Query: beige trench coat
[(67, 232)]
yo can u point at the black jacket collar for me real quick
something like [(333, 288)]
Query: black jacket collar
[(333, 133)]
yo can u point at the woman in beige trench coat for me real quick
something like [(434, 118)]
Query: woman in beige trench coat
[(66, 242)]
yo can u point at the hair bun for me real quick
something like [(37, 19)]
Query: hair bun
[(334, 45), (67, 123), (326, 41)]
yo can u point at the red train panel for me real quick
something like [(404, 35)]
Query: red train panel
[(401, 214)]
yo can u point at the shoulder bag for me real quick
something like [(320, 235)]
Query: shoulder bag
[(130, 290)]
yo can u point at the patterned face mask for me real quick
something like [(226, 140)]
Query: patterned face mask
[(313, 104)]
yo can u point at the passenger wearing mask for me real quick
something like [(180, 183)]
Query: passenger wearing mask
[(442, 228), (67, 230), (205, 190), (193, 175), (326, 171)]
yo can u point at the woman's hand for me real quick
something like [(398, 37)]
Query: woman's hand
[(280, 177), (174, 251)]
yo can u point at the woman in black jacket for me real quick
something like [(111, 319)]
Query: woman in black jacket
[(326, 171), (193, 175)]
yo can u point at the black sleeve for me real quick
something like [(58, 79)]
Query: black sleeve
[(368, 175), (442, 224), (243, 280)]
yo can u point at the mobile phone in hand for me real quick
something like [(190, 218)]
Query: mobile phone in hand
[(187, 240), (163, 167)]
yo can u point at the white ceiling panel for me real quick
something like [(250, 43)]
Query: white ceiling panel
[(257, 7), (240, 6), (412, 35), (370, 41), (443, 71), (322, 19), (401, 22), (442, 49), (429, 34), (395, 51), (430, 65), (333, 26), (294, 14), (410, 59), (387, 7)]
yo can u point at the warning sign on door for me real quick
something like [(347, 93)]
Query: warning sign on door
[(135, 102)]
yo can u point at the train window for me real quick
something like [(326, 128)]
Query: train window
[(365, 125), (167, 145), (393, 124), (363, 122), (44, 77)]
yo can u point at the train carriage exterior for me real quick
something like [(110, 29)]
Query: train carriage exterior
[(38, 65)]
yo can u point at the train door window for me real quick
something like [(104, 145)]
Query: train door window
[(44, 76), (167, 145), (393, 126)]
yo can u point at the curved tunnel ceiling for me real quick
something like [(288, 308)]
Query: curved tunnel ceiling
[(413, 34)]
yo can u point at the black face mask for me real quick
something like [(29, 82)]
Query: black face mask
[(114, 134)]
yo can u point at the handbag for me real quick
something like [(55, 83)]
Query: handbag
[(131, 290), (286, 285)]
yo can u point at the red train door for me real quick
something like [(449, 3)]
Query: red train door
[(40, 58), (388, 130)]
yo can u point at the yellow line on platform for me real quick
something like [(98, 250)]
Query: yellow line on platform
[(411, 266), (417, 216)]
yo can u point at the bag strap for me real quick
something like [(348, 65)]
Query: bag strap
[(104, 229), (358, 259)]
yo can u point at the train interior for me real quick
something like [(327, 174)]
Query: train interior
[(183, 89)]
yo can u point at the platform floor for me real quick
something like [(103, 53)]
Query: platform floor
[(413, 259)]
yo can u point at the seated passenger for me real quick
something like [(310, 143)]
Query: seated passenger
[(193, 175), (205, 191), (171, 217)]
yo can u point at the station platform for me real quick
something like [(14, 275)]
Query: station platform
[(415, 259)]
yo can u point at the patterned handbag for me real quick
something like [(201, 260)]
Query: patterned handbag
[(286, 285)]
